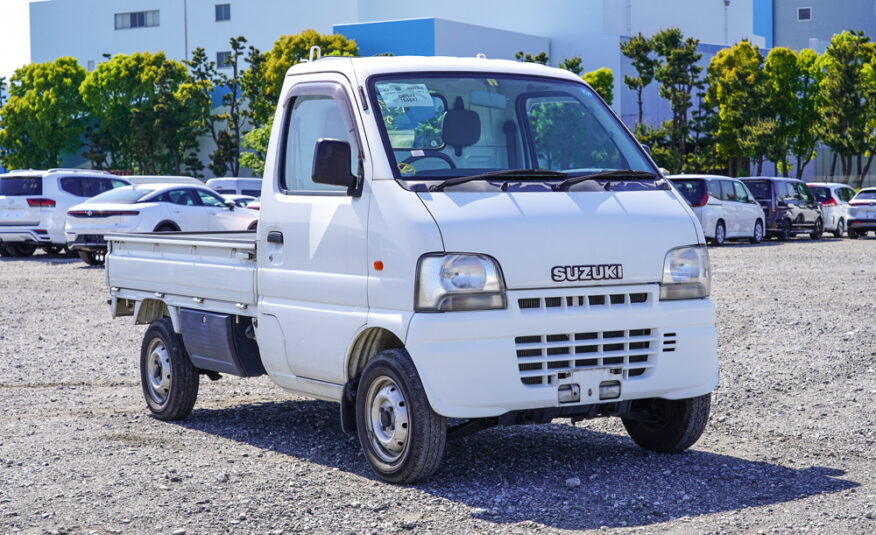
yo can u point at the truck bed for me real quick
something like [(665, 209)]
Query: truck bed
[(213, 271)]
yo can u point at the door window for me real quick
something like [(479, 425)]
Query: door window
[(846, 194), (182, 197), (803, 192), (741, 192), (311, 118), (727, 191), (209, 199), (715, 189)]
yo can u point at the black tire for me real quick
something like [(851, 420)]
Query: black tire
[(19, 250), (818, 230), (4, 252), (54, 249), (720, 234), (390, 388), (166, 227), (680, 423), (757, 235), (253, 226), (853, 234), (840, 229), (169, 381), (91, 258), (784, 233)]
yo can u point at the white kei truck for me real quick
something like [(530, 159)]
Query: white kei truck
[(444, 245)]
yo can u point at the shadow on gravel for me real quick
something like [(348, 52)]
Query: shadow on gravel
[(43, 258), (517, 474)]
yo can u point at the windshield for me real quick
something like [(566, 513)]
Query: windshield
[(126, 195), (820, 193), (464, 124), (693, 190), (760, 188), (866, 195)]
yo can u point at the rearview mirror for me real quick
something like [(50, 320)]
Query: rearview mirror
[(331, 163)]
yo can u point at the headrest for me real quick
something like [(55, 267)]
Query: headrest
[(461, 127)]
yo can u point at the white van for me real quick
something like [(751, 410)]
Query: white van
[(445, 245), (725, 207), (240, 186)]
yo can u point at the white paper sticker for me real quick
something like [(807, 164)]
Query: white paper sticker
[(417, 153), (400, 95)]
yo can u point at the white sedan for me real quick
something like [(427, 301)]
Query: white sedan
[(150, 208)]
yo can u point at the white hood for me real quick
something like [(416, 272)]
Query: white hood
[(535, 236)]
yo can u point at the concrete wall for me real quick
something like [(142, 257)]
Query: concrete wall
[(828, 17)]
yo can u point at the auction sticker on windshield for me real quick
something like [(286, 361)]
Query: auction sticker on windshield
[(400, 95)]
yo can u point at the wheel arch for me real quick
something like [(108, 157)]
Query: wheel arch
[(149, 310), (166, 222), (369, 343)]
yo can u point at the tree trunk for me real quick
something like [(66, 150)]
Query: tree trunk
[(833, 166), (640, 105), (867, 166), (759, 166)]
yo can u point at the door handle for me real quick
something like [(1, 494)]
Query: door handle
[(275, 236)]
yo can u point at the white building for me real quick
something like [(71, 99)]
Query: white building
[(592, 29)]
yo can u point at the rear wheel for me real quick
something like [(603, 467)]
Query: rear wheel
[(840, 229), (53, 249), (18, 250), (818, 230), (757, 236), (720, 234), (784, 231), (677, 426), (169, 381), (853, 234), (402, 437), (91, 258)]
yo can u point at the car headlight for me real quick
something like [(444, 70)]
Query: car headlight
[(453, 282), (686, 274)]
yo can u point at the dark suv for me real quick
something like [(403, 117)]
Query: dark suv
[(788, 205)]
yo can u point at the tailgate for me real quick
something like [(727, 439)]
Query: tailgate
[(14, 194), (210, 270)]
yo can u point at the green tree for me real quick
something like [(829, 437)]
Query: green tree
[(148, 113), (541, 58), (736, 88), (805, 115), (290, 50), (259, 109), (782, 78), (572, 65), (602, 81), (678, 74), (43, 115), (257, 141), (639, 48)]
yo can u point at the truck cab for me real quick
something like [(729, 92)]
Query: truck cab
[(441, 238)]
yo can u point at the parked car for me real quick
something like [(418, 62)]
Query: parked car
[(725, 207), (240, 186), (834, 199), (788, 206), (34, 204), (242, 201), (862, 213), (150, 208)]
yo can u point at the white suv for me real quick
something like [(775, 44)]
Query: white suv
[(34, 204), (725, 207), (834, 199)]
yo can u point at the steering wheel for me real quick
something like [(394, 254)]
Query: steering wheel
[(439, 155)]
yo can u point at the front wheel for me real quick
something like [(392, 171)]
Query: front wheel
[(169, 381), (91, 258), (840, 229), (676, 424), (402, 437), (785, 230), (818, 230), (720, 234), (757, 236)]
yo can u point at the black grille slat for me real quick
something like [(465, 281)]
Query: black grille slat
[(527, 340), (553, 302), (638, 298), (596, 300), (529, 302), (618, 299)]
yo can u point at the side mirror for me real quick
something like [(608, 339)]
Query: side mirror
[(331, 163), (230, 204)]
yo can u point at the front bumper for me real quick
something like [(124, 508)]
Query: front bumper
[(487, 363), (88, 242)]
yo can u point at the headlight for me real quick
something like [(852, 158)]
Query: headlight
[(686, 274), (451, 282)]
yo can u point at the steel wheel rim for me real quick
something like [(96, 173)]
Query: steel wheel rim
[(387, 423), (719, 234), (840, 228), (158, 371), (758, 232)]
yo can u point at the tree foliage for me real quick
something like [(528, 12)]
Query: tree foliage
[(257, 141), (678, 74), (602, 81), (43, 115), (540, 58), (639, 49)]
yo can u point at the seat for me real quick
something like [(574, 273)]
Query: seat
[(461, 127)]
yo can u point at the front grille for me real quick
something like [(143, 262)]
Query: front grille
[(542, 359), (583, 302)]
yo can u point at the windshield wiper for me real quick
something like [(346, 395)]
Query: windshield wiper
[(615, 173), (507, 173)]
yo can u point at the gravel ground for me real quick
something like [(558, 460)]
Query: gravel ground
[(789, 448)]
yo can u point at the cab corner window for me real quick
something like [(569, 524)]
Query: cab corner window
[(311, 118)]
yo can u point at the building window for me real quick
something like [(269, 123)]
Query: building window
[(222, 59), (223, 12), (136, 19), (804, 13)]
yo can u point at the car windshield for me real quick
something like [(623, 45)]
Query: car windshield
[(692, 190), (820, 193), (126, 195), (866, 195), (759, 188), (465, 124)]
